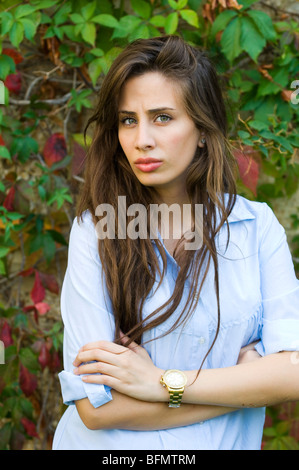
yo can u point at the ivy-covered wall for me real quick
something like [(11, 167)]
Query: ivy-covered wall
[(53, 55)]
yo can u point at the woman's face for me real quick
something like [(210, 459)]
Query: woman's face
[(156, 134)]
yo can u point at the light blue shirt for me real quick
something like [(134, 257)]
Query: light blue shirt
[(259, 295)]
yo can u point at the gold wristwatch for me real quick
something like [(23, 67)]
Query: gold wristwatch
[(174, 380)]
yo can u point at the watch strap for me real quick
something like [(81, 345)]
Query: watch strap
[(175, 397)]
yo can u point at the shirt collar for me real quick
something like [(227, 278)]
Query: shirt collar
[(241, 211)]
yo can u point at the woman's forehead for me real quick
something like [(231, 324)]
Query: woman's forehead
[(153, 89)]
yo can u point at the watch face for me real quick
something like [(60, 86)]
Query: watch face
[(175, 378)]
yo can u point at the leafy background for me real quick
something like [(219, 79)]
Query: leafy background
[(53, 56)]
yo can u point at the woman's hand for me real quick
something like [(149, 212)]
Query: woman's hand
[(129, 370)]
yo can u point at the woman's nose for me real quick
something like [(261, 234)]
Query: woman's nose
[(144, 137)]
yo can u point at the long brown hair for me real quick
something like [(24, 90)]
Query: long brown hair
[(131, 267)]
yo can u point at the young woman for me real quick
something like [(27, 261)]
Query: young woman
[(169, 344)]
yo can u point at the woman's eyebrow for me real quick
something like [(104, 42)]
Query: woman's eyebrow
[(150, 111)]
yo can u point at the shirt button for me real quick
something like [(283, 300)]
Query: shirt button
[(201, 340)]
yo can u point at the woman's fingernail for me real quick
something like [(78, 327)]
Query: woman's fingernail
[(76, 370)]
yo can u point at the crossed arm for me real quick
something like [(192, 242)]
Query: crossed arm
[(140, 402)]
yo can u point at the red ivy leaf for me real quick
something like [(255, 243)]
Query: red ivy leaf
[(15, 55), (42, 307), (55, 365), (31, 308), (38, 291), (9, 199), (27, 272), (6, 334), (27, 381), (29, 427), (79, 156), (2, 141), (55, 149), (13, 82), (49, 282), (248, 168), (44, 357)]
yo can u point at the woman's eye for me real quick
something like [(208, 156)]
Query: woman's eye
[(128, 121), (163, 118)]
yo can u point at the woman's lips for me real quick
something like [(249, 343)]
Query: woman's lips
[(149, 166)]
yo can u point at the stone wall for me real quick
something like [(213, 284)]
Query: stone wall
[(291, 6)]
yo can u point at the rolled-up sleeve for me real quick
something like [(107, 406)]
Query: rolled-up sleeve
[(279, 289), (85, 310)]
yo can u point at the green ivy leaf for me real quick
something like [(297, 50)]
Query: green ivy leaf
[(263, 23), (29, 28), (89, 33), (177, 5), (190, 17), (158, 21), (24, 146), (126, 26), (62, 15), (230, 39), (29, 359), (49, 246), (280, 80), (7, 22), (142, 8), (247, 3), (222, 21), (57, 236), (3, 251), (80, 100), (24, 10), (141, 31), (258, 125), (88, 10), (95, 68), (78, 28), (76, 18), (4, 152), (171, 23), (7, 66), (106, 20), (43, 4), (251, 40), (59, 196), (68, 29), (16, 34)]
